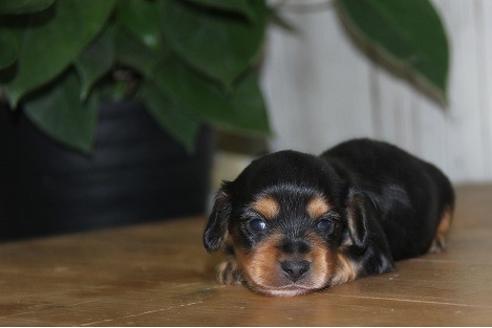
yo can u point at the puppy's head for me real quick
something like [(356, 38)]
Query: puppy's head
[(287, 215)]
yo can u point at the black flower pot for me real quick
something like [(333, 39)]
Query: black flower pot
[(136, 173)]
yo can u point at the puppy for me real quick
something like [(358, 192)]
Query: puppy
[(292, 223)]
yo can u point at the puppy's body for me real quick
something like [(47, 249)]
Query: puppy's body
[(410, 196), (299, 223)]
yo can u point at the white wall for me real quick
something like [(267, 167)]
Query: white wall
[(321, 90)]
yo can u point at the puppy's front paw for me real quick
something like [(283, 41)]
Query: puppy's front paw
[(346, 270), (228, 273)]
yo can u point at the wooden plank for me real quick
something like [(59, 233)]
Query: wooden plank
[(158, 274)]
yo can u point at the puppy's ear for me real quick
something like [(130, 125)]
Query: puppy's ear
[(360, 210), (216, 229)]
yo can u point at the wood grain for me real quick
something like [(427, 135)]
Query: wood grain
[(159, 274)]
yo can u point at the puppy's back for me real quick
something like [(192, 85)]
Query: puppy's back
[(411, 194)]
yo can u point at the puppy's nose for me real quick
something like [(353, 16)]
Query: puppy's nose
[(295, 269)]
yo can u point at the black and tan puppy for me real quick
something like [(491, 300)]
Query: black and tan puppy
[(293, 223)]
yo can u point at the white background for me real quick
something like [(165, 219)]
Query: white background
[(321, 90)]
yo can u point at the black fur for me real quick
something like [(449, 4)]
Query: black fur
[(388, 201), (409, 195)]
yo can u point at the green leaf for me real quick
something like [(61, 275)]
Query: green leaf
[(47, 49), (243, 109), (9, 48), (13, 7), (61, 114), (131, 52), (219, 45), (242, 7), (197, 98), (141, 17), (406, 36), (178, 122), (249, 107), (96, 60)]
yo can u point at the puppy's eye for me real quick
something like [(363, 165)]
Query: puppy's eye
[(257, 225), (325, 226)]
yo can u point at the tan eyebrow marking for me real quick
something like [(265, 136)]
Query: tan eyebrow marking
[(317, 206), (267, 207)]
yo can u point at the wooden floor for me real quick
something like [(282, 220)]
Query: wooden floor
[(160, 275)]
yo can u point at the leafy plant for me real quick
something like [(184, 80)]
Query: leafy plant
[(188, 61), (406, 36)]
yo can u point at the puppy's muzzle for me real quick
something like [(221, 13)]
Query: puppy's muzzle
[(293, 265)]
